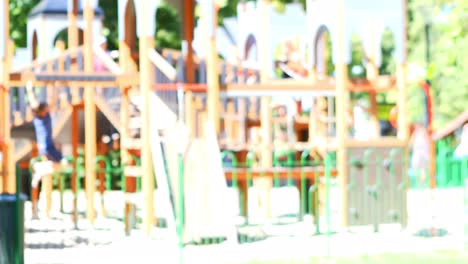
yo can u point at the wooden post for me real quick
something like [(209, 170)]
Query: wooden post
[(124, 122), (212, 66), (372, 74), (403, 132), (7, 185), (9, 179), (265, 103), (146, 43), (342, 105), (189, 22), (73, 42), (75, 128), (90, 114)]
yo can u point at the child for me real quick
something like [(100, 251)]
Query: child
[(420, 142), (43, 126)]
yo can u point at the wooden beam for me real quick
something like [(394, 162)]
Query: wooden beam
[(341, 71), (90, 114), (189, 26), (211, 15), (38, 63), (67, 79), (146, 43), (5, 140), (303, 85), (9, 179), (113, 67), (161, 63), (310, 173), (376, 143), (266, 124), (73, 43)]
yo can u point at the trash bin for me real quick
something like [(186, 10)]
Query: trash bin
[(11, 229)]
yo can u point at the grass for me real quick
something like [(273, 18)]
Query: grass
[(440, 257)]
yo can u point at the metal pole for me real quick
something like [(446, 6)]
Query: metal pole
[(19, 230), (181, 213)]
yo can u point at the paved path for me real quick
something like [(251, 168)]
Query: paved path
[(56, 240)]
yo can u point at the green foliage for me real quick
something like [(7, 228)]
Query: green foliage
[(388, 65), (19, 10), (168, 27), (356, 69), (110, 27), (449, 56)]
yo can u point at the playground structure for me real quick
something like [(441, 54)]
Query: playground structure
[(192, 90)]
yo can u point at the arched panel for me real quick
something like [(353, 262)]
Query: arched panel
[(130, 25), (150, 23), (251, 49), (317, 32), (63, 35), (122, 7), (34, 45)]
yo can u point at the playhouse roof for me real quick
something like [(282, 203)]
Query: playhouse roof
[(58, 7)]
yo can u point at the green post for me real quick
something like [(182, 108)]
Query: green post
[(249, 160), (19, 219), (276, 163), (304, 156), (181, 213), (290, 165), (464, 176)]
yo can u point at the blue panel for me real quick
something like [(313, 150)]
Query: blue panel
[(67, 63), (68, 93), (181, 70), (236, 78), (81, 92), (169, 58), (170, 61), (55, 67), (223, 73), (13, 106), (43, 94), (202, 72), (80, 61), (22, 101)]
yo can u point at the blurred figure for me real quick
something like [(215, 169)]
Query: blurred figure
[(461, 151), (420, 142), (361, 119)]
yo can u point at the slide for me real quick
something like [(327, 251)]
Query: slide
[(205, 189)]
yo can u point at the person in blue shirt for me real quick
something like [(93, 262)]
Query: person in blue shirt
[(43, 126)]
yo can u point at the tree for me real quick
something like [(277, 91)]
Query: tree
[(449, 57), (19, 11)]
